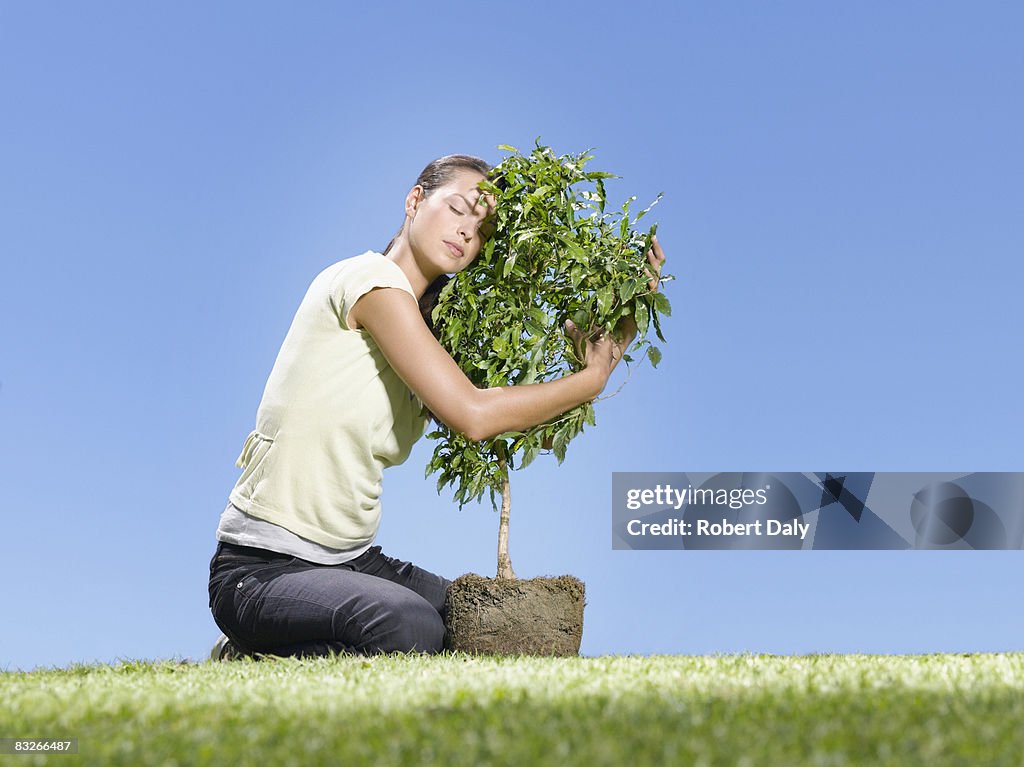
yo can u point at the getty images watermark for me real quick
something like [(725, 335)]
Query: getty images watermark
[(796, 510)]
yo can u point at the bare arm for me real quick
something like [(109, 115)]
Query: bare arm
[(392, 317)]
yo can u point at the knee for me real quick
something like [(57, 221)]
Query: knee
[(413, 625)]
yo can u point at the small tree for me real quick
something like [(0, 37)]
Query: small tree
[(556, 254)]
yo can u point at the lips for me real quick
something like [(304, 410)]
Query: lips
[(455, 249)]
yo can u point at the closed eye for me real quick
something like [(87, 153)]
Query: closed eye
[(456, 210)]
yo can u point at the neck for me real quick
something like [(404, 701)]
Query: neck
[(401, 254)]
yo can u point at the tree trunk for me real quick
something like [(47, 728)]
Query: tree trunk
[(505, 571)]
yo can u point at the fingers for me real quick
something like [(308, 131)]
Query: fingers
[(656, 258), (576, 333), (576, 336), (612, 349), (657, 250), (595, 339), (652, 281)]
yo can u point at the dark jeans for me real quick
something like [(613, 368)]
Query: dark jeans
[(278, 604)]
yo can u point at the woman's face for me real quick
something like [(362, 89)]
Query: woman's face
[(450, 226)]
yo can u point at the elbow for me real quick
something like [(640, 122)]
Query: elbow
[(472, 423), (474, 435), (475, 432)]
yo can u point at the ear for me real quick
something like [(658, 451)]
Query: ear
[(413, 200)]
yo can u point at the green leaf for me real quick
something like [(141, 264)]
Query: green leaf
[(655, 354), (588, 414), (506, 268), (657, 326), (627, 290), (532, 325), (539, 317), (528, 455), (662, 304), (526, 235), (642, 317), (560, 444)]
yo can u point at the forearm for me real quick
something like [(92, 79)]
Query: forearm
[(517, 408)]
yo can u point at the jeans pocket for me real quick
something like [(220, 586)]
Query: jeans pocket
[(254, 578)]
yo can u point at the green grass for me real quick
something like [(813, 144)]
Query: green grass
[(461, 710)]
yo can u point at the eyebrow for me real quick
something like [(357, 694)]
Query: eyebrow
[(480, 199)]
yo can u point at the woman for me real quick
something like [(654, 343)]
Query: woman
[(295, 572)]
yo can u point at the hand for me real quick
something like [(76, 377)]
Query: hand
[(656, 258), (605, 351), (600, 351)]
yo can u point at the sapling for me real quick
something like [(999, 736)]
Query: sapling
[(556, 254)]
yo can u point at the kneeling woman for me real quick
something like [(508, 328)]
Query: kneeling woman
[(295, 572)]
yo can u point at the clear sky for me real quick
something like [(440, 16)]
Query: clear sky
[(843, 210)]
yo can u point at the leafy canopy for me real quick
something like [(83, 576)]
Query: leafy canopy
[(556, 254)]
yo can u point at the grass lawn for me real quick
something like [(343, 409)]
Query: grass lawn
[(462, 710)]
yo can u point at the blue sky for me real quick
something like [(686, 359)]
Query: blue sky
[(843, 211)]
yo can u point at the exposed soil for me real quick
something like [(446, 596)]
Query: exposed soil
[(540, 616)]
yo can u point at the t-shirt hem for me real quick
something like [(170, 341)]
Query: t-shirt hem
[(309, 532)]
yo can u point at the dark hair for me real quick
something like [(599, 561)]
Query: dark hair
[(429, 300), (435, 175)]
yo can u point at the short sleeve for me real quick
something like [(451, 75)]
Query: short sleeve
[(359, 276)]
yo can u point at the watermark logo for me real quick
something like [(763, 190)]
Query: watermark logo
[(796, 510)]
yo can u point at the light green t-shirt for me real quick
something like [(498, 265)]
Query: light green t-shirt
[(334, 414)]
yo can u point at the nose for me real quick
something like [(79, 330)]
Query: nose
[(464, 231)]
